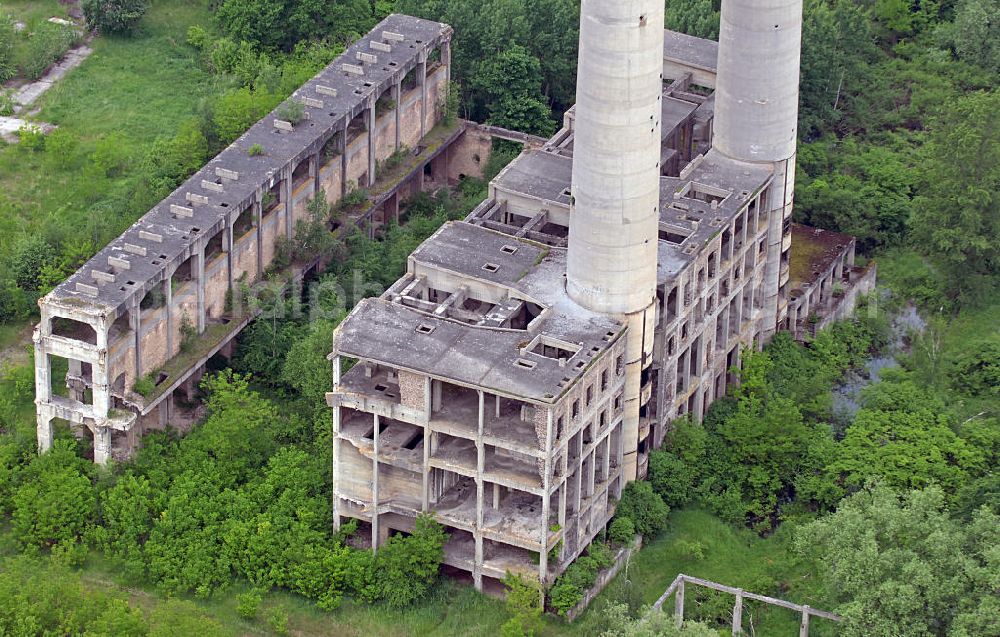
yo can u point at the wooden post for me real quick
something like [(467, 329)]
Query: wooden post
[(804, 626), (679, 605), (738, 613)]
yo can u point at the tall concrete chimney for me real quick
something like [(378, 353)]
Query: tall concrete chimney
[(756, 112), (615, 213)]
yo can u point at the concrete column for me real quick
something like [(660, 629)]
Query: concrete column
[(376, 536), (738, 614), (343, 162), (74, 380), (804, 624), (135, 324), (168, 303), (258, 220), (679, 605), (289, 203), (397, 97), (428, 440), (314, 172), (477, 573), (370, 116), (543, 556), (227, 245), (102, 445), (446, 61), (199, 268), (422, 80)]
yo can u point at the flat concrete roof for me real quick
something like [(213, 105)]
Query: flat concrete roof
[(167, 239), (538, 174), (544, 175), (690, 51), (737, 181), (814, 251), (386, 332)]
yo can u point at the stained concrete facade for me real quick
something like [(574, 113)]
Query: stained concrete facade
[(154, 301), (480, 390)]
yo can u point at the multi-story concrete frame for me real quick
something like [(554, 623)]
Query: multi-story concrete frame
[(490, 383), (127, 312)]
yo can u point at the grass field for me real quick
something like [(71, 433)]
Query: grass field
[(30, 11), (139, 88)]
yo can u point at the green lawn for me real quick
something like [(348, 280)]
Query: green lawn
[(140, 88), (30, 11)]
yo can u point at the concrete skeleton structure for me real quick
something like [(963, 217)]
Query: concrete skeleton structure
[(155, 299), (517, 376)]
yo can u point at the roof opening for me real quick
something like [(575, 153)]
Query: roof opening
[(491, 267), (525, 364), (508, 249), (424, 328)]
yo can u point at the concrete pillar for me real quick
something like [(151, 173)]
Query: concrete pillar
[(286, 187), (422, 81), (376, 536), (102, 445), (227, 245), (738, 614), (45, 431), (343, 162), (199, 269), (135, 324), (679, 605), (428, 442), (804, 624), (446, 61), (74, 380), (168, 303), (258, 220), (370, 120), (543, 556), (397, 97), (314, 172), (477, 572)]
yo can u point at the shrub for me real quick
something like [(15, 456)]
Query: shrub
[(61, 147), (622, 530), (644, 507), (56, 501), (256, 150), (7, 34), (248, 602), (31, 137), (114, 16), (44, 47), (144, 386), (30, 256), (524, 604), (292, 111), (277, 619), (6, 101)]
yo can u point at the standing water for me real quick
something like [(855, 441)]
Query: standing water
[(847, 395)]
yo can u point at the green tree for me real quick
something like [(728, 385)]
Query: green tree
[(699, 18), (976, 33), (902, 567), (56, 502), (114, 16), (956, 217), (644, 507), (236, 111)]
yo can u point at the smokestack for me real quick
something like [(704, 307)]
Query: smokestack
[(756, 112), (611, 263)]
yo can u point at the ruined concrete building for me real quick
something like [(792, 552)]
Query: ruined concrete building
[(517, 376), (153, 303)]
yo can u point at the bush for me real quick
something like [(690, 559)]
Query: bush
[(645, 508), (44, 47), (144, 386), (6, 102), (621, 531), (61, 147), (114, 16), (31, 137), (7, 34), (56, 501), (248, 602), (28, 258), (292, 111), (255, 150)]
